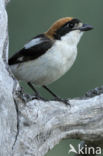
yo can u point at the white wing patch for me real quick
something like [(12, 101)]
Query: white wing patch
[(20, 58), (33, 42)]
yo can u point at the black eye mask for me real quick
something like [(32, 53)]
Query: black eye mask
[(66, 28)]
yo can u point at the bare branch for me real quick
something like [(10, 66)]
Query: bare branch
[(7, 107), (45, 123)]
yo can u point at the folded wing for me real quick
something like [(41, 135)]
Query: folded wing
[(32, 50)]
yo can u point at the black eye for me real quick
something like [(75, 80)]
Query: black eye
[(71, 25)]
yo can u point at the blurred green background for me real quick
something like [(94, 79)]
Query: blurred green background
[(27, 18)]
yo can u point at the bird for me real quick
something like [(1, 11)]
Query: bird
[(49, 55)]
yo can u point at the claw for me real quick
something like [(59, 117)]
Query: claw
[(38, 97), (65, 101)]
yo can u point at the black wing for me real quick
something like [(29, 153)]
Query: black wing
[(33, 52)]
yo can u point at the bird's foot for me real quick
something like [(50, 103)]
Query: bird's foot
[(39, 97), (65, 101)]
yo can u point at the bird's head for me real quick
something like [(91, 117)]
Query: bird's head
[(68, 29)]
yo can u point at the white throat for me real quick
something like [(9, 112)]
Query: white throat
[(73, 37)]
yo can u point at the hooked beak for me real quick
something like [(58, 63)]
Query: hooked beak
[(85, 27)]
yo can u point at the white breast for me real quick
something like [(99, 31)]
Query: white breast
[(49, 67)]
